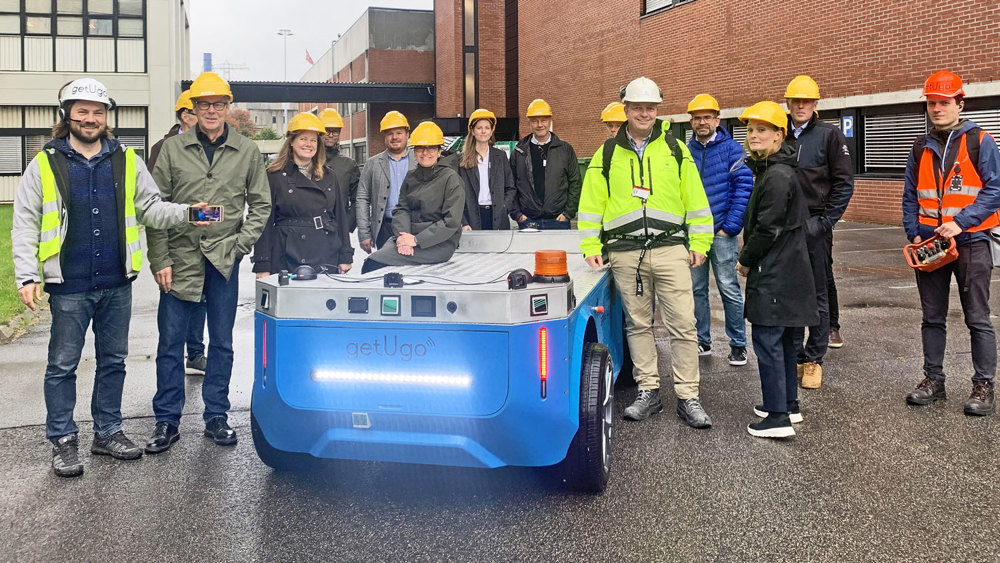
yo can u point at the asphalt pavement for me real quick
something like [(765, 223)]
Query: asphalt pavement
[(867, 478)]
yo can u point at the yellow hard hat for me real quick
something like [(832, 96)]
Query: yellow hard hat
[(768, 112), (331, 119), (427, 134), (539, 108), (210, 84), (184, 101), (306, 121), (703, 102), (614, 113), (392, 120), (482, 114), (802, 87)]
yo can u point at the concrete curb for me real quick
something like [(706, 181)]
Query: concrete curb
[(17, 325)]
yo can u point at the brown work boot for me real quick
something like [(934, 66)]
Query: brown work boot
[(812, 375), (836, 341), (980, 402), (927, 391)]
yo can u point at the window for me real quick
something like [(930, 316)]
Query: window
[(99, 27), (10, 5), (38, 6), (74, 7), (38, 25), (657, 5), (888, 140), (130, 7), (10, 24), (360, 153), (10, 155), (129, 28), (105, 7), (69, 26)]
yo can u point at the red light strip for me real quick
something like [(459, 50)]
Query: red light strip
[(543, 353), (263, 344)]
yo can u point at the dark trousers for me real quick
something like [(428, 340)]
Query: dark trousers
[(972, 272), (172, 319), (109, 311), (776, 355), (831, 285), (384, 233), (196, 332), (813, 349), (486, 217)]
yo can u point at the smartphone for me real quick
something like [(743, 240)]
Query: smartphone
[(201, 214)]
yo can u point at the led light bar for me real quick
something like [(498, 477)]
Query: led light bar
[(425, 380)]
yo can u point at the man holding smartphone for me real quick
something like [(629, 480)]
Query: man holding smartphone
[(209, 161)]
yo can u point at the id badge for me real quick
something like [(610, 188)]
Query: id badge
[(640, 192)]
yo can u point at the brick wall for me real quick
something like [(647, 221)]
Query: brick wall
[(876, 201), (492, 59), (448, 54), (398, 65)]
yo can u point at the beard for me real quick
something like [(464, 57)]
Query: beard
[(88, 135)]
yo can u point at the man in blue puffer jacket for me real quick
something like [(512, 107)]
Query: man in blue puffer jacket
[(727, 182)]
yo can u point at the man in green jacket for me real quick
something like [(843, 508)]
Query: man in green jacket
[(214, 163), (644, 217)]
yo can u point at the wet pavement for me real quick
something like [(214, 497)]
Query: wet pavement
[(866, 478)]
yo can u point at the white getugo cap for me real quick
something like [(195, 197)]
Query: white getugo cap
[(642, 89), (85, 89)]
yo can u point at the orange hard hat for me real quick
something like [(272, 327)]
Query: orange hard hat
[(943, 83)]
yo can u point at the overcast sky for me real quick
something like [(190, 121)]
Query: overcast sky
[(245, 32)]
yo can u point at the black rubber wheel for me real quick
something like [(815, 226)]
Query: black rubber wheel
[(587, 466), (273, 457)]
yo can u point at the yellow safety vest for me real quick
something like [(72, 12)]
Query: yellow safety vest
[(50, 239)]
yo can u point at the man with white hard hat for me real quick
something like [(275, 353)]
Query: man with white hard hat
[(649, 221), (77, 212)]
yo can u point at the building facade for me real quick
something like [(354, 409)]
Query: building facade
[(137, 48), (383, 46)]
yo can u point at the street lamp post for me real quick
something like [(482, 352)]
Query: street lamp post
[(284, 33)]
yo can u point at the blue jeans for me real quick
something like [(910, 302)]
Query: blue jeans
[(776, 362), (173, 320), (110, 310), (722, 258), (196, 332), (545, 224)]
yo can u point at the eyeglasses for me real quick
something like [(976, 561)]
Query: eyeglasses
[(706, 118), (217, 106)]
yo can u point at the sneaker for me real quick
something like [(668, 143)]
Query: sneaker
[(738, 356), (704, 349), (646, 403), (775, 425), (980, 402), (812, 375), (836, 341), (66, 458), (927, 391), (794, 414), (196, 365), (692, 413), (117, 446)]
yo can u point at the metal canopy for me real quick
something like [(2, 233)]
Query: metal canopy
[(326, 92)]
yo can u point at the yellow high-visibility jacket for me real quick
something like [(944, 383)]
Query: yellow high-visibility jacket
[(676, 198)]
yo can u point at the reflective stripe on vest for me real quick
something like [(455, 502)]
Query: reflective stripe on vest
[(50, 238), (939, 203), (132, 245)]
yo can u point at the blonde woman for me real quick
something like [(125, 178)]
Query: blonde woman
[(775, 260), (485, 171), (308, 222)]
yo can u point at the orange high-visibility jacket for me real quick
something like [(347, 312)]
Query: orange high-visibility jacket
[(941, 196)]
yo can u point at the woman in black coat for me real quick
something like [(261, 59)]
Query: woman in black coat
[(308, 222), (485, 171), (775, 259)]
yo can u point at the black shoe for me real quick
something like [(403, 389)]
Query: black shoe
[(692, 413), (980, 402), (775, 425), (65, 458), (646, 403), (738, 356), (218, 430), (117, 446), (794, 414), (196, 365), (704, 349), (928, 391), (163, 437)]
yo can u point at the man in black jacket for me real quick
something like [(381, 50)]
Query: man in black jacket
[(546, 175), (827, 179)]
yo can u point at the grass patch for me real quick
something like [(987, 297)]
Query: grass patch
[(10, 304)]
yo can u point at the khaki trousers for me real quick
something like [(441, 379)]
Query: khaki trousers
[(666, 273)]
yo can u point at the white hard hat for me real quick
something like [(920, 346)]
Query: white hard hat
[(642, 89), (85, 89)]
